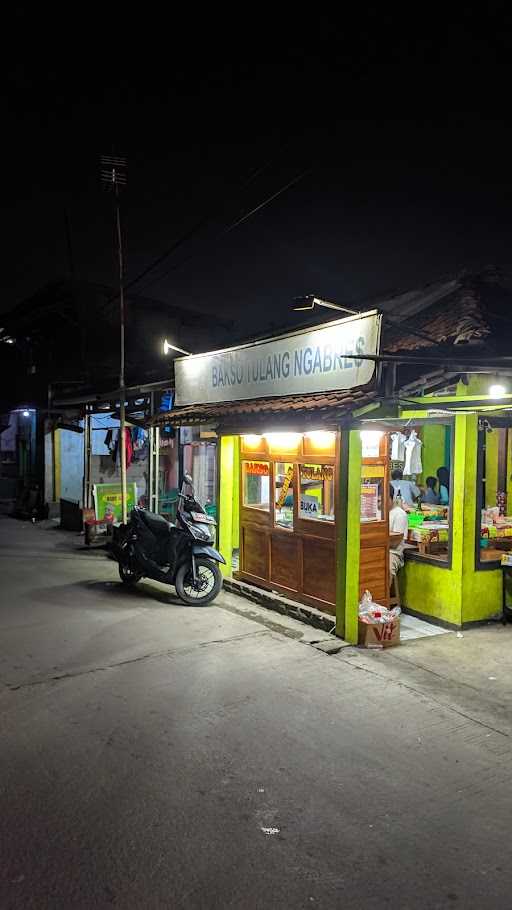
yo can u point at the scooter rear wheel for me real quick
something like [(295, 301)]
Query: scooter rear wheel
[(207, 586)]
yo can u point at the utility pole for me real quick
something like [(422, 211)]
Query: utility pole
[(113, 176)]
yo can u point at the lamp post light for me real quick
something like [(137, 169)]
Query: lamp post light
[(167, 346), (309, 302)]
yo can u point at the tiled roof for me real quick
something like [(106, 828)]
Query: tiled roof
[(321, 406), (456, 319)]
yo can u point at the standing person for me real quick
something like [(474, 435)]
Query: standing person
[(431, 494), (406, 489), (398, 531), (443, 476)]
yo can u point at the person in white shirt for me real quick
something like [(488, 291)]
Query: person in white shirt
[(398, 531), (406, 489)]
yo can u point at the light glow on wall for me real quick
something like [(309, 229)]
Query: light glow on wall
[(252, 441), (321, 439), (284, 442), (497, 390)]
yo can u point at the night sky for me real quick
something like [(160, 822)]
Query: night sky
[(405, 175)]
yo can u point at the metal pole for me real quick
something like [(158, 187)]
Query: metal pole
[(89, 452), (157, 467), (151, 467), (122, 416), (84, 483), (113, 175)]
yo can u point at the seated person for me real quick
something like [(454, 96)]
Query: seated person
[(431, 496), (406, 489), (443, 476), (398, 531)]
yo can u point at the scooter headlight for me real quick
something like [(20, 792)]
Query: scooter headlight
[(202, 532)]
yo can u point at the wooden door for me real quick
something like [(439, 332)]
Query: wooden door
[(374, 556), (291, 553)]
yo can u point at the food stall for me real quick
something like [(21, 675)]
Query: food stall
[(305, 462)]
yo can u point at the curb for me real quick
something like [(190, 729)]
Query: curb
[(309, 615)]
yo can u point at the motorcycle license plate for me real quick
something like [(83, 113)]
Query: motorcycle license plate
[(204, 519)]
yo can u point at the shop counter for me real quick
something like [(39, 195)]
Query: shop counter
[(495, 539), (430, 539)]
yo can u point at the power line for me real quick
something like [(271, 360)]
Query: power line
[(266, 201), (197, 227), (232, 226)]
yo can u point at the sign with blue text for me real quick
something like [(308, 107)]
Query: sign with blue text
[(320, 359)]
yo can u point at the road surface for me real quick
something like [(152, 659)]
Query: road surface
[(155, 755)]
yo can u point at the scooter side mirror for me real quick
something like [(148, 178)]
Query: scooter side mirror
[(188, 479)]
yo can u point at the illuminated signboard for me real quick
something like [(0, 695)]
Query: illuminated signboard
[(315, 360)]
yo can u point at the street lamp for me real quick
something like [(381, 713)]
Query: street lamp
[(172, 347), (496, 390), (309, 302)]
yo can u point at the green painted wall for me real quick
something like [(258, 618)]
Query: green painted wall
[(481, 590), (425, 587), (348, 530), (228, 482), (236, 493), (431, 590), (433, 451), (460, 594), (509, 470)]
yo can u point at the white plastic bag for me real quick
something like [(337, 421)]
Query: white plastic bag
[(373, 613)]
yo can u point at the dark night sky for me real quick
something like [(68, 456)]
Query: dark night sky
[(408, 174)]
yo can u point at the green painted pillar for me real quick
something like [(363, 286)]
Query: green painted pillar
[(228, 483), (481, 590), (236, 493), (348, 528)]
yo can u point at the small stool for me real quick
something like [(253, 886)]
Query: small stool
[(394, 593), (93, 525)]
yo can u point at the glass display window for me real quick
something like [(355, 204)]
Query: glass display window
[(283, 494), (372, 491), (421, 477), (493, 493), (256, 485), (316, 492)]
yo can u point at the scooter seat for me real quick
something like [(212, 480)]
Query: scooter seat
[(156, 524)]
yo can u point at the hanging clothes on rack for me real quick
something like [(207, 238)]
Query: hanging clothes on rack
[(398, 441), (114, 447), (128, 447), (413, 463)]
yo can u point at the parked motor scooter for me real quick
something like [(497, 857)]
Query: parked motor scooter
[(180, 554)]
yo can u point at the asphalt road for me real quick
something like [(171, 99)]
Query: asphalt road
[(156, 755)]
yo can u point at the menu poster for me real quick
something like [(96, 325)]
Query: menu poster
[(370, 502)]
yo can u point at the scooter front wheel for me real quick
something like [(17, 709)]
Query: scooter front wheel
[(127, 575), (206, 586)]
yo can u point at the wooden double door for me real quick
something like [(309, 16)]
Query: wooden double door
[(280, 548)]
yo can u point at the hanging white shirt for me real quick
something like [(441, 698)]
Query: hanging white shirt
[(398, 441), (413, 455)]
